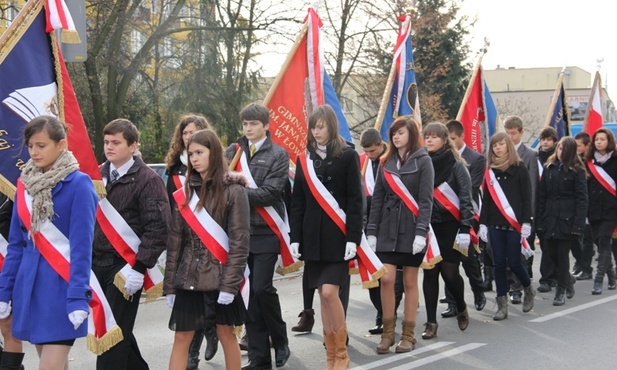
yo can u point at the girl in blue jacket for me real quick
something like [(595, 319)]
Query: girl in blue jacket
[(48, 310)]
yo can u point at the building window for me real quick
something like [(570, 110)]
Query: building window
[(138, 39)]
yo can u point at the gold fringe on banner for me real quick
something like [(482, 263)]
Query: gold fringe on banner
[(379, 273), (431, 264), (100, 345), (99, 188), (463, 251), (476, 246), (289, 269), (7, 188), (370, 284), (119, 282), (354, 271), (69, 37), (154, 292)]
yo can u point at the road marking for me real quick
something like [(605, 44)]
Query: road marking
[(440, 356), (399, 357), (573, 309)]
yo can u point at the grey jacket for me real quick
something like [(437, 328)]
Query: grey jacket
[(391, 221)]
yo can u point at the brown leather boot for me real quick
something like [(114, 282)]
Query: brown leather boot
[(387, 337), (463, 319), (330, 349), (341, 357), (430, 330), (307, 320), (407, 342)]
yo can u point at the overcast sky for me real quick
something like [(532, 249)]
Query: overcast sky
[(547, 33)]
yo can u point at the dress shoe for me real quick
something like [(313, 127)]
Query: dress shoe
[(479, 301), (584, 276), (544, 288), (576, 270), (443, 300), (244, 343), (516, 297), (377, 329), (597, 288), (450, 312), (282, 355), (560, 297), (463, 319), (254, 366)]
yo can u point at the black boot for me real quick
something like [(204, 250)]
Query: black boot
[(212, 342), (193, 361), (560, 297), (604, 262), (570, 287), (487, 283), (11, 361)]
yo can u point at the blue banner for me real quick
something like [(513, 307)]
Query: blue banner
[(560, 119), (332, 100)]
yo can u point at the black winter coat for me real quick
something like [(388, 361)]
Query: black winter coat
[(319, 237), (561, 202), (460, 181), (6, 210), (602, 204), (515, 183)]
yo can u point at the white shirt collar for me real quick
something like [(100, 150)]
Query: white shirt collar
[(259, 143), (518, 145), (460, 151), (122, 170)]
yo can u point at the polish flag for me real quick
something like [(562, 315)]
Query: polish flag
[(594, 120)]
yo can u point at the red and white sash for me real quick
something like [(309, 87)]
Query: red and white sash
[(3, 249), (54, 246), (126, 243), (279, 226), (368, 262), (540, 170), (433, 253), (178, 180), (602, 177), (499, 197), (211, 234), (447, 197), (369, 176)]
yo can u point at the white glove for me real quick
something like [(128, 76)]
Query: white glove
[(225, 298), (77, 318), (463, 240), (483, 233), (350, 250), (171, 298), (419, 243), (134, 282), (295, 250), (5, 310), (372, 242), (525, 230)]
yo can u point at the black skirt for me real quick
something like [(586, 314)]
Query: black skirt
[(401, 259), (446, 235), (196, 310), (319, 273)]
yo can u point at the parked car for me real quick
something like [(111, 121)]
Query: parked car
[(160, 169)]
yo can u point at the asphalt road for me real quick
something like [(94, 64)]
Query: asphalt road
[(578, 335)]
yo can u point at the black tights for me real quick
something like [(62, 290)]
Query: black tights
[(430, 286)]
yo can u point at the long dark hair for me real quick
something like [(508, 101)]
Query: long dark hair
[(412, 145), (54, 127), (177, 144), (326, 114), (610, 147), (212, 194), (569, 158)]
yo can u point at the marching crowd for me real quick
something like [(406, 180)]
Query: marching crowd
[(422, 200)]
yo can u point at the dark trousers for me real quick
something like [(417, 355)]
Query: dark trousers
[(264, 319), (506, 247), (124, 355), (583, 252), (548, 273), (471, 265), (559, 252), (515, 283), (375, 296)]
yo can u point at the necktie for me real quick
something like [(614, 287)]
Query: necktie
[(114, 176), (252, 149)]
